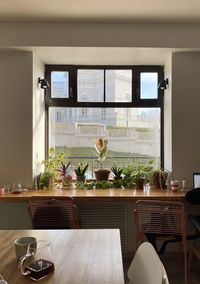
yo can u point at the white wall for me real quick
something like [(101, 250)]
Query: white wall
[(15, 117), (168, 116), (96, 34), (38, 116), (185, 115)]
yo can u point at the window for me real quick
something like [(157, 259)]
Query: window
[(91, 83), (84, 111), (118, 85), (59, 84), (103, 113), (149, 85), (120, 103)]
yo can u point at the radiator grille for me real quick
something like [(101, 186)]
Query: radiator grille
[(107, 215)]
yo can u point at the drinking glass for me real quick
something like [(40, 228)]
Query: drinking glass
[(16, 187)]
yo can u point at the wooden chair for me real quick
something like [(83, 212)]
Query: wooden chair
[(146, 267), (53, 213), (161, 222)]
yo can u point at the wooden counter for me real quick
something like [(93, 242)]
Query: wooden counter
[(126, 195)]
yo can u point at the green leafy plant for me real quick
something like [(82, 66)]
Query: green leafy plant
[(81, 169), (52, 162), (100, 146), (128, 182), (50, 168), (63, 170), (43, 180), (143, 170), (128, 171), (123, 183), (117, 171), (137, 174), (159, 178)]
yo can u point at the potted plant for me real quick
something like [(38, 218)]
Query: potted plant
[(141, 173), (128, 180), (128, 171), (117, 171), (159, 178), (80, 171), (101, 145), (43, 180), (47, 178), (64, 173)]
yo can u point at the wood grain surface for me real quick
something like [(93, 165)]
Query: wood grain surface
[(80, 256), (100, 194)]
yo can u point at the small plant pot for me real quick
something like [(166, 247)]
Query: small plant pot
[(67, 182), (80, 178), (139, 182), (102, 174), (52, 183), (117, 178)]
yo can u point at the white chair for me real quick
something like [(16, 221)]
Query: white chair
[(146, 267)]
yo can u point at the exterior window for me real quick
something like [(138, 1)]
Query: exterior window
[(90, 82), (149, 85), (58, 114), (103, 113), (133, 134), (120, 103), (118, 85), (59, 85), (84, 111)]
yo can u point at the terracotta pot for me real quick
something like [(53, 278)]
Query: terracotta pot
[(102, 174), (139, 182)]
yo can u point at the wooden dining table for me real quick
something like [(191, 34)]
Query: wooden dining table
[(90, 256)]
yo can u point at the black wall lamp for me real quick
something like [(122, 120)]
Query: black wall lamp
[(163, 84), (43, 83)]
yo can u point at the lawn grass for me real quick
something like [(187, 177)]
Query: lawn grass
[(89, 152)]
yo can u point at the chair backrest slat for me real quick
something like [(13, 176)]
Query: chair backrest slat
[(160, 217), (53, 213)]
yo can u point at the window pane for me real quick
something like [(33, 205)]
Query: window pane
[(149, 85), (133, 134), (118, 85), (90, 85), (59, 84)]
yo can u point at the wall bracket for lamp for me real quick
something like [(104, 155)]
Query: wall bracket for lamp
[(44, 84), (163, 84)]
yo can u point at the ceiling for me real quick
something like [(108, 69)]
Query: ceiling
[(177, 11)]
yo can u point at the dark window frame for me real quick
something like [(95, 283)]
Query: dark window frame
[(137, 102)]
